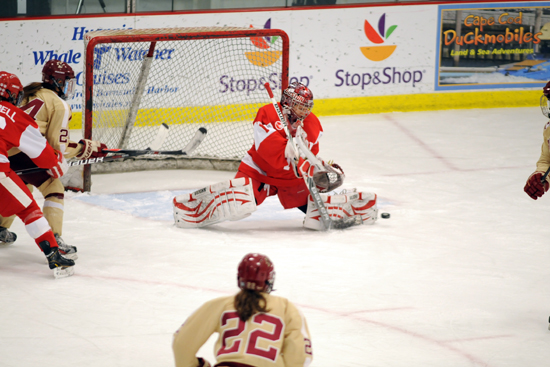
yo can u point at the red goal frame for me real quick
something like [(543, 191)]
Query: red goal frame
[(174, 34)]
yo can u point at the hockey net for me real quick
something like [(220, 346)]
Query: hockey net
[(188, 78)]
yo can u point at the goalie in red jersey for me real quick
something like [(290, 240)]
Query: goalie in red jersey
[(256, 329), (17, 129), (269, 168)]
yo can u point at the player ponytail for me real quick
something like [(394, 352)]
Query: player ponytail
[(249, 302), (31, 89)]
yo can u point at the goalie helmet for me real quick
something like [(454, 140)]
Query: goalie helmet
[(58, 74), (297, 101), (11, 89), (256, 273)]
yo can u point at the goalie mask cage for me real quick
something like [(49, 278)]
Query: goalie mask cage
[(188, 78)]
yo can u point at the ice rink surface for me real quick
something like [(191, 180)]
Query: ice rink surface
[(458, 276)]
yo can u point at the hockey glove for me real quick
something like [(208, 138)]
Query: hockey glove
[(534, 187), (330, 178), (546, 90), (91, 149), (305, 167), (60, 168)]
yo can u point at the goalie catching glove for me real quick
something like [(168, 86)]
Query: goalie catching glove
[(91, 149), (327, 177), (330, 178)]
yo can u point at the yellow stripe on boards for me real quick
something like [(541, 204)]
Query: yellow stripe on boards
[(175, 115), (423, 102), (328, 107), (76, 121)]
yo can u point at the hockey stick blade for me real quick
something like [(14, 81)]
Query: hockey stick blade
[(356, 220), (160, 138), (196, 140), (325, 218)]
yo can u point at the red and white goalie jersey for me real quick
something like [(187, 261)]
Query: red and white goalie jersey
[(278, 338), (19, 130), (266, 161)]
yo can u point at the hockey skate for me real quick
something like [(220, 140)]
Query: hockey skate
[(66, 250), (6, 237), (61, 266)]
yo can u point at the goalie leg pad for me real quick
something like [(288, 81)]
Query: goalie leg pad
[(346, 209), (226, 200)]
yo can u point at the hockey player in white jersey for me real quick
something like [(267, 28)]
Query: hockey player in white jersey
[(255, 328), (538, 182)]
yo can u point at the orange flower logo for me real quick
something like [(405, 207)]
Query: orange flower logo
[(378, 53), (267, 57)]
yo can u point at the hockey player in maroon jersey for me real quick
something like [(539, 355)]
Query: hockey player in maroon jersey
[(19, 130), (269, 169), (535, 187), (255, 328), (45, 102)]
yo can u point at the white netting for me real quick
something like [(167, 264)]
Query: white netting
[(216, 83)]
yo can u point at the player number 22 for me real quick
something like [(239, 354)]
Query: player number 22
[(250, 347)]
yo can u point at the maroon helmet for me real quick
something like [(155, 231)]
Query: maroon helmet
[(256, 272), (545, 100), (297, 99), (546, 90), (11, 88), (59, 74)]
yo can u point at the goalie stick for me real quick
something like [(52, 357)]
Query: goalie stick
[(325, 218), (126, 153)]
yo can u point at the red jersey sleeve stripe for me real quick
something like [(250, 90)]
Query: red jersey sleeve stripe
[(32, 143)]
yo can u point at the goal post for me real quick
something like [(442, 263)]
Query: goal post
[(187, 78)]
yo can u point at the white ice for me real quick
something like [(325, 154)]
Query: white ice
[(458, 276)]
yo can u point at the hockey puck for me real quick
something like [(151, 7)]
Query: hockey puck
[(385, 215)]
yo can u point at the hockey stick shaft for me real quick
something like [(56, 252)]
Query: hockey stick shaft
[(125, 153), (544, 176), (325, 217), (191, 146)]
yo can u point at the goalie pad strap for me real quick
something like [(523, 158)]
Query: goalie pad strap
[(226, 200)]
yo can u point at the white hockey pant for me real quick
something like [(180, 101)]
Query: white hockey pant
[(227, 200), (348, 206)]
